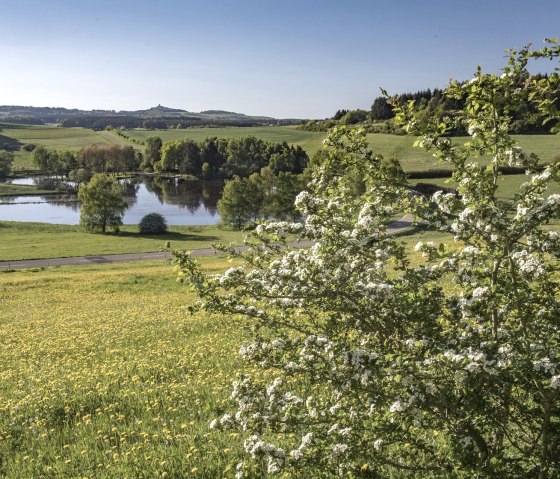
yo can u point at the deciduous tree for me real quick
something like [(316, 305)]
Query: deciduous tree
[(241, 201), (102, 204), (6, 160), (374, 364)]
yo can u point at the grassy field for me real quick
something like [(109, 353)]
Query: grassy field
[(41, 240), (309, 140), (104, 374), (546, 147), (508, 184), (48, 136)]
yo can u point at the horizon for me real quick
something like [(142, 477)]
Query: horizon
[(301, 59)]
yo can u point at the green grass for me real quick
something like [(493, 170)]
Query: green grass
[(39, 240), (547, 147), (7, 189), (508, 185), (309, 140), (104, 374), (51, 137)]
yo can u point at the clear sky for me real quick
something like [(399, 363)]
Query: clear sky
[(281, 58)]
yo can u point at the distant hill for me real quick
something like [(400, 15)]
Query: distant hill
[(156, 117)]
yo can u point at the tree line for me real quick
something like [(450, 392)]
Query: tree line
[(211, 159), (263, 177), (429, 104), (79, 167), (222, 158)]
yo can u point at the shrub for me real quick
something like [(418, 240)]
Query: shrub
[(152, 223), (28, 147), (365, 362)]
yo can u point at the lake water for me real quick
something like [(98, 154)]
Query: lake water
[(181, 202)]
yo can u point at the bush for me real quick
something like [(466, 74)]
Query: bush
[(365, 362), (28, 147), (152, 223)]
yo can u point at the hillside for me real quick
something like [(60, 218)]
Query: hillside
[(155, 117)]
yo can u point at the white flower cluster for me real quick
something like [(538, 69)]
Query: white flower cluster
[(545, 365), (225, 422), (232, 276), (428, 249), (297, 454), (256, 447), (261, 349), (280, 228), (516, 157), (444, 201), (528, 263), (339, 450)]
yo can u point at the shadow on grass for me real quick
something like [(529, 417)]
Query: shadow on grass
[(170, 236), (8, 143)]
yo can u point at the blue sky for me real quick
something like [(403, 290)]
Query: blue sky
[(283, 58)]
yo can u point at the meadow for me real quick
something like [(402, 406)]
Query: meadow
[(104, 374), (49, 136), (547, 147), (508, 185), (42, 240)]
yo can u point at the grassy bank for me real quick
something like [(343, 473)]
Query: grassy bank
[(7, 189), (40, 240)]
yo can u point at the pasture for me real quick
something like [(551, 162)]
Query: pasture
[(547, 147), (42, 240), (49, 136), (508, 185)]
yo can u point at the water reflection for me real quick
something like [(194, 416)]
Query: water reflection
[(182, 202), (185, 193)]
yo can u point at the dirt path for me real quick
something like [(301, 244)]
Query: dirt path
[(397, 226), (113, 138)]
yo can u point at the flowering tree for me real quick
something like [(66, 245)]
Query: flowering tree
[(371, 365)]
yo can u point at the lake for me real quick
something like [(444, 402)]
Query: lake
[(181, 202)]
